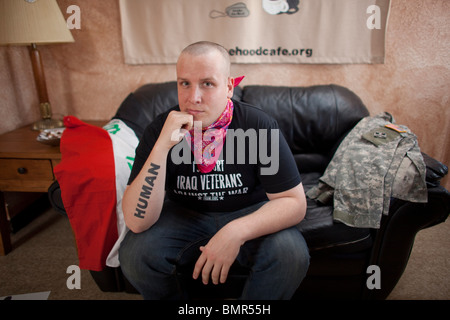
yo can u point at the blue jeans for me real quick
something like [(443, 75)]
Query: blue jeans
[(278, 262)]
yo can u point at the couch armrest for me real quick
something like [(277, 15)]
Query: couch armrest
[(395, 238), (54, 195), (435, 170)]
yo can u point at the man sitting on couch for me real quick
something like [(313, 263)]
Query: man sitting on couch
[(190, 186)]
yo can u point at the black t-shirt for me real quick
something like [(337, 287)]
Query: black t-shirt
[(255, 159)]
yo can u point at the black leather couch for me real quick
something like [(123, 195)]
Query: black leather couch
[(314, 121)]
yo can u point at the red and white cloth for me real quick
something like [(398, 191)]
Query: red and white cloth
[(92, 180)]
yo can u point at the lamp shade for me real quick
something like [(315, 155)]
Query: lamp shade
[(32, 21)]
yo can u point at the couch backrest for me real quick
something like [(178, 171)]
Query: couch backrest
[(142, 106), (314, 120)]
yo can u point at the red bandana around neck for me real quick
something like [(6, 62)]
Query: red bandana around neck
[(207, 143)]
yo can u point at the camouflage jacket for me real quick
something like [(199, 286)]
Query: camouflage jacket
[(376, 161)]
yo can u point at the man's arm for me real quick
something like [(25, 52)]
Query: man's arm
[(144, 197), (283, 210)]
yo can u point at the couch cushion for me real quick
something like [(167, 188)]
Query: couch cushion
[(322, 234), (311, 162)]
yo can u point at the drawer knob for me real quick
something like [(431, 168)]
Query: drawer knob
[(22, 170)]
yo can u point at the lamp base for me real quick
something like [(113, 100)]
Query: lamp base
[(47, 124)]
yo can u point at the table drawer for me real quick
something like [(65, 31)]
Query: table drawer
[(26, 169)]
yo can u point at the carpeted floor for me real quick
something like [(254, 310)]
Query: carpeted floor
[(45, 248)]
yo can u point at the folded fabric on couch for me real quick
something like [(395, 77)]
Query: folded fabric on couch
[(124, 142), (92, 175), (376, 161)]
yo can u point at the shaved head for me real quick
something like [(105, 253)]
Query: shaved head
[(206, 47)]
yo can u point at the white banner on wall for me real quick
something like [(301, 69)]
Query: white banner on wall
[(257, 31)]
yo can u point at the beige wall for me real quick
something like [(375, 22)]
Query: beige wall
[(89, 79)]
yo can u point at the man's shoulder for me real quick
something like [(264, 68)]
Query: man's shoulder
[(247, 107), (248, 115)]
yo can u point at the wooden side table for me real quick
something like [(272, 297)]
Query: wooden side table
[(26, 165)]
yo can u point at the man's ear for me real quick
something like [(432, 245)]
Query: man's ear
[(230, 87)]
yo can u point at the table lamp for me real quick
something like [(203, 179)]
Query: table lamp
[(32, 22)]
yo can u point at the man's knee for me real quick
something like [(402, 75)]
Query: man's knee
[(129, 256), (137, 254), (290, 249)]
